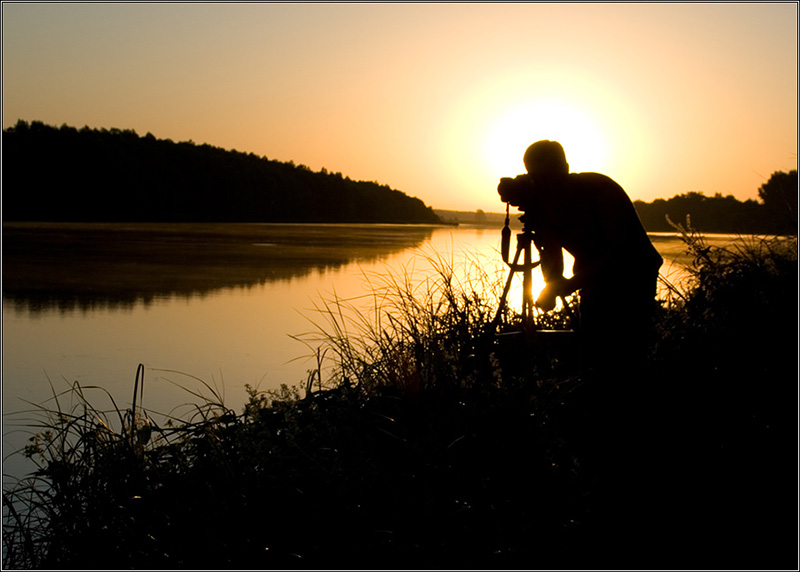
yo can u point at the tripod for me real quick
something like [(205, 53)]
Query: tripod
[(524, 243)]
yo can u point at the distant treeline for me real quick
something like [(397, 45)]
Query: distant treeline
[(110, 175), (775, 214)]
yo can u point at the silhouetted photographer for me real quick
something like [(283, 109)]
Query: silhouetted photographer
[(616, 266), (605, 418)]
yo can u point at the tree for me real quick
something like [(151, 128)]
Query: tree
[(779, 195)]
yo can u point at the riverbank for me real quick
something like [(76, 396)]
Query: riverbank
[(422, 442)]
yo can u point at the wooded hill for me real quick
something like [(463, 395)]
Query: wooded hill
[(90, 175)]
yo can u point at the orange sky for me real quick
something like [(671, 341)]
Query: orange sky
[(437, 100)]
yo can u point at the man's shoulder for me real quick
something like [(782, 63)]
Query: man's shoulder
[(593, 178), (595, 183)]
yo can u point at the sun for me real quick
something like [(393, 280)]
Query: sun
[(508, 136)]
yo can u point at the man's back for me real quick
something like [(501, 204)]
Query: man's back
[(595, 220)]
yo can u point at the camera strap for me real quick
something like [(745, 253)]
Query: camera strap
[(505, 244)]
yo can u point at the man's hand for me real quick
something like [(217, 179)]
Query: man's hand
[(555, 288), (546, 300)]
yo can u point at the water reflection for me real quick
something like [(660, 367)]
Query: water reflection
[(91, 266)]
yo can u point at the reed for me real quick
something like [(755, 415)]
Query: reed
[(420, 440)]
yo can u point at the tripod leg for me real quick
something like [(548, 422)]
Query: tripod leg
[(527, 289), (507, 287)]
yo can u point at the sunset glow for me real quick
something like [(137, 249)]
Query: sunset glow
[(555, 120), (436, 100)]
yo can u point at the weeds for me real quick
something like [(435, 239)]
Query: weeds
[(423, 440)]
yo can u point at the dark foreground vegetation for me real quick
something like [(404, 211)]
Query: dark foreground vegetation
[(427, 442), (112, 175)]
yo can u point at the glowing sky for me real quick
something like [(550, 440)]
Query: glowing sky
[(437, 100)]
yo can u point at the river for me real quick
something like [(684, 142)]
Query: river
[(220, 303)]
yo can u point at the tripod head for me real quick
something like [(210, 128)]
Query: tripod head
[(524, 239)]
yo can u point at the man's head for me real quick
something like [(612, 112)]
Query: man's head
[(546, 159)]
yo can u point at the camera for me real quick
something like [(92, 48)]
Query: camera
[(516, 191)]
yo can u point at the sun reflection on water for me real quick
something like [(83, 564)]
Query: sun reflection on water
[(476, 261)]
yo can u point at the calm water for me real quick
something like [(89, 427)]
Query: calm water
[(88, 303)]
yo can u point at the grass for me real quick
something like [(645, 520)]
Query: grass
[(422, 440)]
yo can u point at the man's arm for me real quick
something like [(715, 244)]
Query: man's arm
[(552, 264), (551, 256)]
